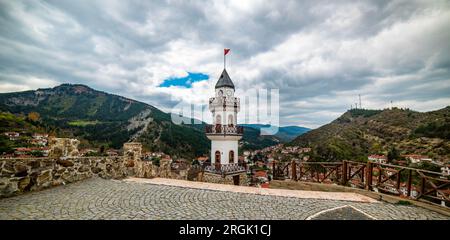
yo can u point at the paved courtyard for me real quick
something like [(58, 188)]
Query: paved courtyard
[(115, 199)]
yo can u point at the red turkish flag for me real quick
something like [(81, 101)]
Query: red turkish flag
[(225, 51)]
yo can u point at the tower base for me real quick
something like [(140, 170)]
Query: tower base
[(232, 179)]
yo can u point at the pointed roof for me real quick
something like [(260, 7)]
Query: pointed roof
[(224, 80)]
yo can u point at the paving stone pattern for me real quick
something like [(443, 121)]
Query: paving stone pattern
[(98, 198)]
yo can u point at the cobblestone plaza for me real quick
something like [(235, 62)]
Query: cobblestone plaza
[(116, 199)]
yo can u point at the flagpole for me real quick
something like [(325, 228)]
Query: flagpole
[(224, 60)]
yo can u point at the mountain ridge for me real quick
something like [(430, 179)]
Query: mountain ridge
[(101, 118), (285, 134)]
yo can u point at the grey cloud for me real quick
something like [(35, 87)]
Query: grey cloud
[(110, 45)]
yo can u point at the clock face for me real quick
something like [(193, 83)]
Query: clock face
[(229, 92)]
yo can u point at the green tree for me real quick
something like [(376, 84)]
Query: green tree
[(34, 116), (393, 154), (5, 145)]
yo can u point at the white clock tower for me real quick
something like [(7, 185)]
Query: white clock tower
[(224, 132)]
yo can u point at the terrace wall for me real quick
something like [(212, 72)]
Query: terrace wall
[(21, 175)]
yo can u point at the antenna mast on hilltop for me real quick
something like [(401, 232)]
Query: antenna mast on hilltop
[(359, 101)]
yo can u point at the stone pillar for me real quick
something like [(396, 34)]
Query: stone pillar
[(133, 149), (63, 147), (132, 152)]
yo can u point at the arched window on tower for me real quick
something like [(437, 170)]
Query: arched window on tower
[(231, 157), (217, 160), (218, 119), (230, 120)]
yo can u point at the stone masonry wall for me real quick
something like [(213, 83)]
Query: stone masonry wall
[(31, 174), (21, 175)]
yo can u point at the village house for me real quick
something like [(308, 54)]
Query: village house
[(40, 136), (39, 142), (22, 151), (442, 195), (446, 170), (87, 151), (112, 152), (12, 135), (27, 152), (404, 190), (415, 158), (202, 159), (305, 150), (179, 164), (166, 157), (377, 158), (157, 154)]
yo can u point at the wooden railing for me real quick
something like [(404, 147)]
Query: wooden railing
[(403, 181)]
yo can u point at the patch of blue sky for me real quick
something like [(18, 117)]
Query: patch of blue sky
[(185, 81)]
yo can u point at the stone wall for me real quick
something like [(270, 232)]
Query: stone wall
[(31, 174), (21, 175)]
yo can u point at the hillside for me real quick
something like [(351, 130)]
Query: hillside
[(99, 118), (285, 134), (360, 132)]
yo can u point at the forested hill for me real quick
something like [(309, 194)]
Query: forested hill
[(360, 132)]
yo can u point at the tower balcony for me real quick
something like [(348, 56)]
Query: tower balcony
[(225, 169), (224, 129)]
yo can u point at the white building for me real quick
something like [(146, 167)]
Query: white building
[(377, 158), (224, 132), (446, 170), (414, 158)]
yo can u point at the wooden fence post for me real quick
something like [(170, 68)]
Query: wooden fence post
[(422, 186), (344, 172), (274, 174), (369, 176), (301, 171), (294, 170), (409, 182)]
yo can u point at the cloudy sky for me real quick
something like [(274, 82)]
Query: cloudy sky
[(320, 55)]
